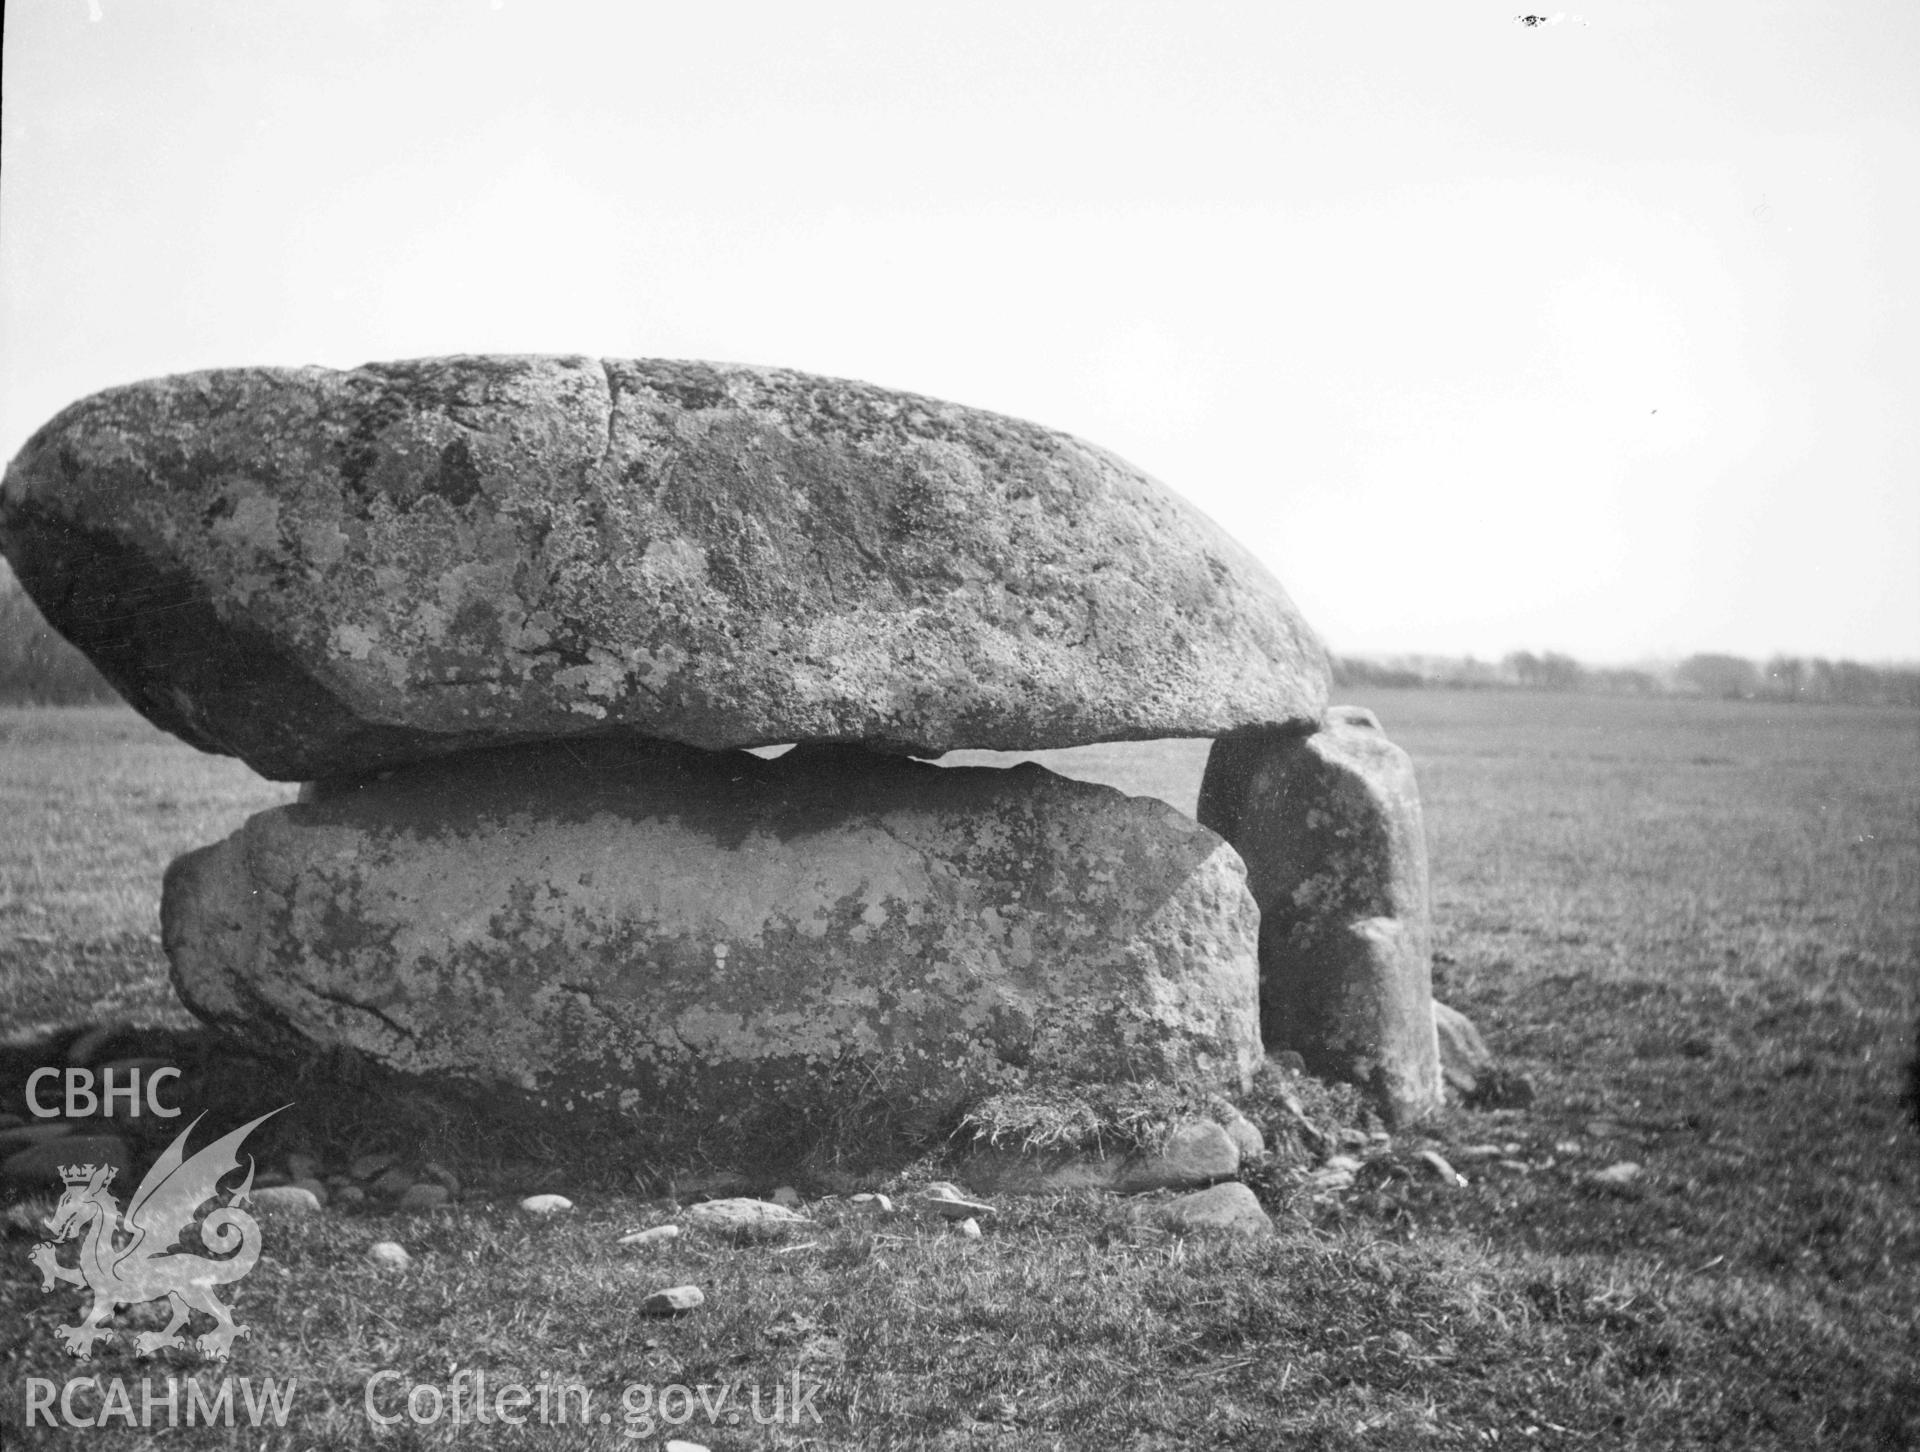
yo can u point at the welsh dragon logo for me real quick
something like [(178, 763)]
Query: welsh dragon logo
[(135, 1257)]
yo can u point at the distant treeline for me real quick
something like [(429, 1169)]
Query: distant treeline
[(38, 667), (1721, 677)]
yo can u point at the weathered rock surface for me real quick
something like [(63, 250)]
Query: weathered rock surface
[(950, 1203), (1245, 1134), (424, 1197), (1464, 1056), (653, 1236), (1329, 826), (389, 1255), (324, 572), (673, 1301), (645, 924), (746, 1219), (292, 1200), (1231, 1208)]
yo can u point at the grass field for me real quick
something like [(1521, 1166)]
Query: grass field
[(1695, 926)]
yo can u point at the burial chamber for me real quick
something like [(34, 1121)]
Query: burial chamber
[(516, 618)]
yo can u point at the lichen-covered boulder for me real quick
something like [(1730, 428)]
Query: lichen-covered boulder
[(644, 924), (1329, 826), (323, 572)]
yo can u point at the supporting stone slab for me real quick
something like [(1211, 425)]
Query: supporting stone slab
[(1328, 823), (628, 925)]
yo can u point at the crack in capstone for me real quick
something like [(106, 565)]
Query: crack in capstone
[(613, 401)]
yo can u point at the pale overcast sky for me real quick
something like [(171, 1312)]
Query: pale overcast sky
[(1590, 336)]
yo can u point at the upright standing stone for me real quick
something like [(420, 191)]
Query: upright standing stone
[(1328, 823)]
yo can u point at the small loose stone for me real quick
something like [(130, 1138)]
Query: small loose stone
[(955, 1206), (1197, 1152), (546, 1204), (656, 1235), (1246, 1136), (969, 1228), (392, 1184), (286, 1200), (1624, 1172), (745, 1219), (441, 1175), (425, 1196), (673, 1301), (1230, 1207), (389, 1254)]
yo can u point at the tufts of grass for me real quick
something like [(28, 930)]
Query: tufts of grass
[(1099, 1119), (1695, 926)]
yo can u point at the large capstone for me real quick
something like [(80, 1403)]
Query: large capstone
[(641, 923), (1329, 826), (323, 572)]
